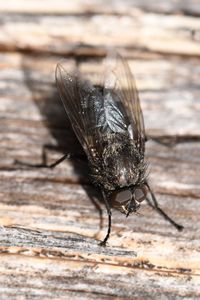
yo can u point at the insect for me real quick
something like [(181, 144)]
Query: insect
[(108, 122)]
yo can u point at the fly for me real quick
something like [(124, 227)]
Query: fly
[(109, 124)]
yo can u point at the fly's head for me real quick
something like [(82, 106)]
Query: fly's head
[(127, 200)]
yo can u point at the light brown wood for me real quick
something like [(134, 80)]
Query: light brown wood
[(89, 7), (68, 35), (49, 226)]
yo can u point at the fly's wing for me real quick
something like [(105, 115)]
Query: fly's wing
[(96, 116), (81, 101), (120, 86)]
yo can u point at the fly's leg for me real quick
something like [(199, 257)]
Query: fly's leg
[(154, 203), (44, 163), (57, 162), (103, 243), (168, 141)]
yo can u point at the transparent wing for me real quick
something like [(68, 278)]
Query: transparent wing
[(95, 115), (76, 95), (120, 84)]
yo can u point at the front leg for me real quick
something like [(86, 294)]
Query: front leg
[(154, 204), (109, 213)]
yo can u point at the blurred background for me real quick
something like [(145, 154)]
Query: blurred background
[(49, 213)]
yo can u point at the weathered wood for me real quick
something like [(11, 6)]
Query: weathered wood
[(166, 79), (51, 204), (90, 7), (66, 35), (49, 224)]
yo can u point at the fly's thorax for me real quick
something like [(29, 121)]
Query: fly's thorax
[(122, 164)]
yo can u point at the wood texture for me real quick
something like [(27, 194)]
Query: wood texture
[(67, 35), (49, 224)]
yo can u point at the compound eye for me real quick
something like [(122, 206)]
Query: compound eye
[(140, 194), (122, 196)]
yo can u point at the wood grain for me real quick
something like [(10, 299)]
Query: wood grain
[(80, 7), (88, 35), (49, 224)]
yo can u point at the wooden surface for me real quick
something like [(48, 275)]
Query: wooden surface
[(49, 226)]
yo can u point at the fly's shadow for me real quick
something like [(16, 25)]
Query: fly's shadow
[(45, 96)]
